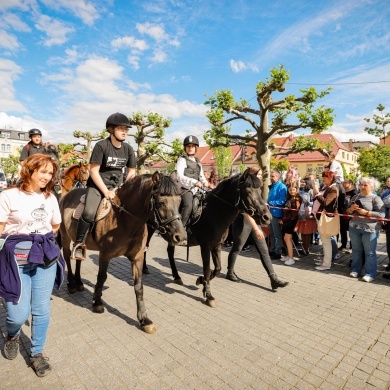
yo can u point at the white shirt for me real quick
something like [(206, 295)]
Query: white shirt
[(26, 213), (185, 181), (337, 169)]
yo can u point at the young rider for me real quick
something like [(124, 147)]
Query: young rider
[(109, 157), (190, 176), (34, 146)]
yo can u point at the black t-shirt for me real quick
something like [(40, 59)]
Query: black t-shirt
[(30, 149), (112, 160)]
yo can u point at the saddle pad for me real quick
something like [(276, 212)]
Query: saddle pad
[(103, 209)]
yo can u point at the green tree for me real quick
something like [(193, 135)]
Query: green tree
[(279, 165), (171, 157), (223, 158), (10, 165), (375, 162), (68, 155), (270, 119), (381, 121), (89, 138), (149, 136)]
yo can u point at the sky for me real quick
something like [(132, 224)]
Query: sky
[(66, 65)]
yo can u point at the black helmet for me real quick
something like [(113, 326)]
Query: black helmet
[(191, 139), (34, 132), (117, 119)]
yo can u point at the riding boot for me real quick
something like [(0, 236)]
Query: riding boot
[(231, 275), (276, 282), (79, 251)]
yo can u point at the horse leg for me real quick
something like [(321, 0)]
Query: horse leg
[(97, 305), (77, 276), (216, 256), (205, 279), (145, 269), (146, 324), (171, 257)]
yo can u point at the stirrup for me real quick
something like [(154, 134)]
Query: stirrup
[(83, 248)]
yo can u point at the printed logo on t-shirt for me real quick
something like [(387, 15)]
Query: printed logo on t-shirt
[(116, 162), (39, 222)]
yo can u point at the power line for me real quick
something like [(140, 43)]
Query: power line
[(363, 82)]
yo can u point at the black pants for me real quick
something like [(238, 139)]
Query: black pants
[(344, 226), (241, 232), (92, 201), (186, 207)]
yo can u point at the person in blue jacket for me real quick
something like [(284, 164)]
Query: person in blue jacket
[(276, 199)]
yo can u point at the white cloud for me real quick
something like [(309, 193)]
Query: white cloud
[(71, 57), (159, 56), (20, 4), (133, 60), (15, 22), (82, 9), (155, 31), (9, 72), (8, 41), (240, 66), (55, 30), (18, 123), (136, 86), (130, 42)]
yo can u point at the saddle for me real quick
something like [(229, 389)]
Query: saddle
[(198, 204), (104, 208)]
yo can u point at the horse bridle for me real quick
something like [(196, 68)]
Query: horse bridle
[(158, 223), (239, 201), (77, 179)]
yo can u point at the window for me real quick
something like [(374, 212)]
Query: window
[(309, 168), (8, 148), (21, 136), (343, 155), (6, 135), (2, 147)]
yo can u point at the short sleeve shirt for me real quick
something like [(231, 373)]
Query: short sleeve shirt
[(26, 213), (112, 160)]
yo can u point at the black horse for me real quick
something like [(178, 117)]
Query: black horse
[(239, 193)]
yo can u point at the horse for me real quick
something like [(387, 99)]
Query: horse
[(239, 193), (123, 232), (73, 177)]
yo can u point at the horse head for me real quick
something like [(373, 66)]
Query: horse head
[(83, 173), (164, 212), (249, 198)]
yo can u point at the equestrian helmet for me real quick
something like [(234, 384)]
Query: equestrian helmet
[(190, 139), (34, 132), (117, 119)]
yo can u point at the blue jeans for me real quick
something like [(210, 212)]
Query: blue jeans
[(37, 285), (335, 249), (364, 242), (276, 236)]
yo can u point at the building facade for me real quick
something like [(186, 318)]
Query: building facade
[(12, 142)]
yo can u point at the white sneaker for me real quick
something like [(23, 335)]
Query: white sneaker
[(322, 268), (289, 261), (284, 258), (367, 278), (353, 274), (337, 256)]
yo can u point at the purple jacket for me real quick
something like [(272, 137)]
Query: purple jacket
[(43, 245)]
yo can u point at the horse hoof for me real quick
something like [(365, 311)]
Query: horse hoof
[(146, 271), (98, 309), (149, 329), (72, 290), (80, 287), (179, 282), (199, 280), (211, 303)]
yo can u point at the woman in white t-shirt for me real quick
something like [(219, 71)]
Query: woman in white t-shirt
[(29, 216)]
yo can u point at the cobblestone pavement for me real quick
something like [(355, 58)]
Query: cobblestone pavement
[(323, 331)]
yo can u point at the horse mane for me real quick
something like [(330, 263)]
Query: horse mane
[(167, 186), (70, 168), (247, 179)]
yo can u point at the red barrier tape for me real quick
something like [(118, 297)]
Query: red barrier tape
[(341, 215)]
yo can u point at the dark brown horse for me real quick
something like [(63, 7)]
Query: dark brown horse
[(231, 196), (72, 177), (123, 232)]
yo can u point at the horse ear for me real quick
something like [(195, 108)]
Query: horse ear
[(246, 173), (156, 178)]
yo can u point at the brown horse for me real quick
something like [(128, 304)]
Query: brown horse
[(72, 177), (123, 232)]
